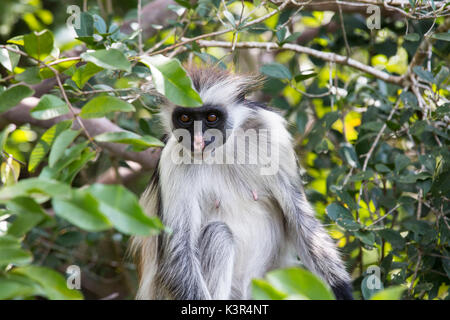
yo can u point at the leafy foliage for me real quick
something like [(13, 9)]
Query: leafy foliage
[(373, 139)]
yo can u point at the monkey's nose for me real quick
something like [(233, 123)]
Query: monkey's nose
[(199, 143)]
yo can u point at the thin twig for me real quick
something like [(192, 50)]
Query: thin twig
[(383, 217), (61, 88), (416, 269), (220, 32), (139, 13), (327, 56), (344, 34)]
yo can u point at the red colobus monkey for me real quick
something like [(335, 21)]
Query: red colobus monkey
[(230, 220)]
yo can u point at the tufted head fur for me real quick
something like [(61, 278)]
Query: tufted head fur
[(215, 84), (217, 87)]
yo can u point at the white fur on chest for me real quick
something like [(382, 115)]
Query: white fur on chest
[(224, 193)]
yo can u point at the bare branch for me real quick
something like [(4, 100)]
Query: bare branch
[(327, 56)]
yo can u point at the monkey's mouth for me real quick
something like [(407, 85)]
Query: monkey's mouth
[(198, 146), (201, 146)]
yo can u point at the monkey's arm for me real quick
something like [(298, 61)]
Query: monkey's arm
[(169, 266), (216, 252), (314, 246)]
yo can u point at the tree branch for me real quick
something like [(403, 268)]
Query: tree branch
[(395, 8), (327, 56), (20, 114)]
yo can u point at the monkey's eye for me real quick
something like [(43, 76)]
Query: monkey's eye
[(212, 117), (185, 118)]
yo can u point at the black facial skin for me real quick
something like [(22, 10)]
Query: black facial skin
[(200, 114)]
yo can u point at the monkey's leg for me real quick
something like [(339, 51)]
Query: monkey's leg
[(216, 252), (179, 273)]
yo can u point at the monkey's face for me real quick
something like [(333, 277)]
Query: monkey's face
[(197, 128)]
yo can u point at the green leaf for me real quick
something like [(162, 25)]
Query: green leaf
[(418, 226), (123, 210), (401, 162), (5, 133), (29, 214), (39, 44), (50, 106), (230, 18), (13, 95), (99, 24), (14, 256), (171, 80), (302, 120), (392, 293), (281, 34), (43, 146), (74, 167), (8, 58), (86, 25), (81, 209), (9, 241), (60, 65), (131, 138), (365, 175), (53, 284), (12, 253), (393, 237), (443, 110), (12, 288), (84, 73), (372, 126), (299, 282), (70, 155), (366, 237), (442, 76), (442, 36), (262, 290), (301, 77), (103, 105), (336, 211), (30, 75), (111, 59), (276, 70), (424, 74), (342, 216), (409, 99), (16, 40), (375, 285), (291, 37), (185, 4), (412, 37), (34, 187), (60, 145), (379, 167), (350, 155)]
